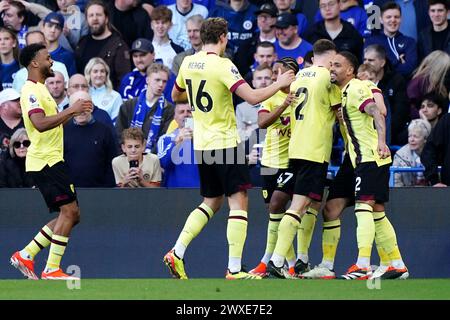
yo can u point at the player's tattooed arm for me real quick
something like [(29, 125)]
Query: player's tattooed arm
[(380, 125)]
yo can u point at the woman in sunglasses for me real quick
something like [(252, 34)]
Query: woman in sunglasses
[(12, 168)]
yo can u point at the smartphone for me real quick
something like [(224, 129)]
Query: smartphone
[(134, 163), (189, 123)]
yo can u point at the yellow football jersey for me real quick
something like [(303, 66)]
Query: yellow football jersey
[(276, 144), (372, 86), (312, 119), (360, 130), (46, 147), (210, 81)]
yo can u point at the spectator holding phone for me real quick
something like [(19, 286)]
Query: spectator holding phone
[(135, 169)]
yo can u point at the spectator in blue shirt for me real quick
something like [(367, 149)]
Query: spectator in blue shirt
[(289, 43), (133, 83), (351, 12), (401, 50), (284, 6), (52, 29), (241, 18), (416, 13), (176, 152), (9, 57)]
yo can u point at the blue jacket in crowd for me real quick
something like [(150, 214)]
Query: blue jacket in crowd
[(395, 47), (65, 56), (180, 169), (133, 83), (88, 152), (241, 24)]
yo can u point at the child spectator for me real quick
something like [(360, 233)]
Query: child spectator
[(135, 168)]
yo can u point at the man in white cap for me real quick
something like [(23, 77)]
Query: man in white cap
[(10, 115)]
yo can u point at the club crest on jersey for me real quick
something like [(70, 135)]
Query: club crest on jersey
[(285, 120), (247, 24)]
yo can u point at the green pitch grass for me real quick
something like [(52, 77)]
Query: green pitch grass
[(219, 289)]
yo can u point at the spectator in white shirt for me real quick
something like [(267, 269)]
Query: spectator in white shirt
[(181, 11)]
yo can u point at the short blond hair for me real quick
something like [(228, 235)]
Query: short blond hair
[(133, 133), (156, 67), (90, 65)]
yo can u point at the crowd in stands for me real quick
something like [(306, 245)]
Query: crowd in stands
[(124, 56)]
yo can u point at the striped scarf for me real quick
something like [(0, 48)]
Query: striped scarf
[(140, 113)]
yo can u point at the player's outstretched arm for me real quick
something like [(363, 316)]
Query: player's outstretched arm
[(380, 124), (255, 96), (43, 123)]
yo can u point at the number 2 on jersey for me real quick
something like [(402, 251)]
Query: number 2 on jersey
[(299, 108), (200, 97)]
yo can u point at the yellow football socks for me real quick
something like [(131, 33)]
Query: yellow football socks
[(305, 232), (39, 242), (286, 233), (197, 219), (365, 233), (236, 232), (330, 240), (272, 233), (386, 237), (57, 248)]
